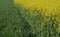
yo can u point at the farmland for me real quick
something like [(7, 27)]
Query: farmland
[(23, 21)]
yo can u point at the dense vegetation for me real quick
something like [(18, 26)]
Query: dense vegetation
[(19, 22)]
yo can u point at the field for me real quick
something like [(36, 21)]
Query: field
[(27, 19)]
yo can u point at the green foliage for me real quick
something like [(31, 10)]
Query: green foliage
[(15, 22)]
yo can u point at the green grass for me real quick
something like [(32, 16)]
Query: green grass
[(16, 23)]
